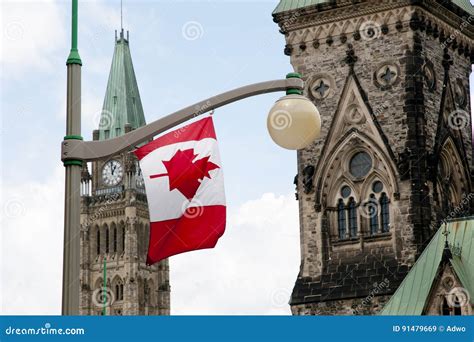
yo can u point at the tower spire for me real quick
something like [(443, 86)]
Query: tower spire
[(121, 15)]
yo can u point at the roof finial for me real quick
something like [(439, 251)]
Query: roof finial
[(121, 15)]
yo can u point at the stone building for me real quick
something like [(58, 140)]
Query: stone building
[(114, 212), (391, 81)]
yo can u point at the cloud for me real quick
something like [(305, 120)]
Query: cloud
[(31, 35), (253, 268), (251, 271), (31, 242)]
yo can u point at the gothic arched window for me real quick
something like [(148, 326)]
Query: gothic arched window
[(121, 291), (123, 238), (384, 213), (107, 240), (445, 309), (98, 241), (115, 239), (457, 306), (372, 211), (341, 219), (352, 218)]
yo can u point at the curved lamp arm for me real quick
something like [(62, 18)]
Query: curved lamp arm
[(73, 149)]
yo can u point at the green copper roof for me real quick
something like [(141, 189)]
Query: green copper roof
[(412, 295), (465, 5), (288, 5), (122, 102)]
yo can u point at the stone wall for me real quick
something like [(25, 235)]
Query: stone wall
[(331, 46)]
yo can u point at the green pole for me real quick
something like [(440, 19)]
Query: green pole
[(104, 294), (74, 57), (72, 200)]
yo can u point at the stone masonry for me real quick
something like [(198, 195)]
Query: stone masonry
[(391, 80)]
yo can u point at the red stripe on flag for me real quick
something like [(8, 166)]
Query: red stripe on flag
[(198, 228), (195, 131)]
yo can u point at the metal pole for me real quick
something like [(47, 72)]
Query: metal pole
[(70, 293)]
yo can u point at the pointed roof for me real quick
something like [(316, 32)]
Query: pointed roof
[(122, 103), (413, 293)]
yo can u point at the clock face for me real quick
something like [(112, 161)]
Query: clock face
[(112, 173), (139, 178)]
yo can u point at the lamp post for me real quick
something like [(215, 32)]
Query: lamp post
[(70, 299), (293, 123)]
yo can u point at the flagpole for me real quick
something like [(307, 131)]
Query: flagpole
[(104, 294), (70, 289)]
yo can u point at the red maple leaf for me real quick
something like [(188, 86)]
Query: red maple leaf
[(185, 174)]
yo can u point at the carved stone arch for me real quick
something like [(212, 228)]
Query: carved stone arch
[(99, 283), (116, 280), (334, 30), (452, 181), (338, 157), (117, 287), (386, 18), (375, 175), (306, 37), (334, 192), (345, 26)]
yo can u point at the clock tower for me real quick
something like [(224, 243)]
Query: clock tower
[(114, 277)]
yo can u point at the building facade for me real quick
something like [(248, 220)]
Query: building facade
[(115, 279), (391, 81)]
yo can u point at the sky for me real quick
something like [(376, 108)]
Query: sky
[(183, 52)]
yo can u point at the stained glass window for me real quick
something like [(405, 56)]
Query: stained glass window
[(360, 164), (352, 218), (373, 212), (341, 219), (384, 213), (345, 191)]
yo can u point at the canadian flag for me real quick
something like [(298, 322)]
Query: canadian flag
[(185, 190)]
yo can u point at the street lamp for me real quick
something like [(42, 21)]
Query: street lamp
[(294, 121), (300, 127)]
